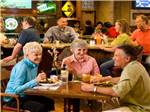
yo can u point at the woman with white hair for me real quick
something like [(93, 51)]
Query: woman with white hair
[(80, 62), (25, 75)]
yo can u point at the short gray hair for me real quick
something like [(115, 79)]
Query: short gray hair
[(143, 17), (78, 43), (32, 47)]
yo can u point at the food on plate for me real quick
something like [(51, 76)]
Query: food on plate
[(52, 79), (95, 78), (43, 81), (105, 84)]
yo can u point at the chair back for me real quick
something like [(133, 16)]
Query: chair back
[(4, 77)]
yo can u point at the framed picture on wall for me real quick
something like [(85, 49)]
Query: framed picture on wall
[(87, 5)]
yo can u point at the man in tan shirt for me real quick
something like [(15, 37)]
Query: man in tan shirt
[(132, 86)]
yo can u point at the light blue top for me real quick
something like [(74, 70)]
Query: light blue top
[(22, 77)]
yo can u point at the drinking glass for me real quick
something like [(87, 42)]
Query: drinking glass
[(64, 76)]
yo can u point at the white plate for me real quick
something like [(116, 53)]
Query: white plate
[(50, 84)]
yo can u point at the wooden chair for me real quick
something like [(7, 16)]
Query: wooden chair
[(5, 74)]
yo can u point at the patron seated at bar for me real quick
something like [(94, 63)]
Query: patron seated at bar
[(111, 31), (132, 86), (89, 29), (28, 34), (28, 77), (122, 27), (141, 36), (61, 32), (98, 35)]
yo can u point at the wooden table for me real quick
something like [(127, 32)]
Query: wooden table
[(70, 90)]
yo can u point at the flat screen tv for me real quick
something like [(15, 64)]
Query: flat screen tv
[(20, 4), (141, 4), (47, 7)]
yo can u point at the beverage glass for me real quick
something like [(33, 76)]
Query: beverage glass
[(57, 42), (86, 78), (64, 76), (92, 42)]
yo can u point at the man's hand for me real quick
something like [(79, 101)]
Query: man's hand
[(15, 52), (7, 59), (45, 40)]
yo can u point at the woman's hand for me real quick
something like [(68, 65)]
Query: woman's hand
[(87, 87), (95, 78), (41, 76)]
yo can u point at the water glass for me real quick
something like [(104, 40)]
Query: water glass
[(64, 75)]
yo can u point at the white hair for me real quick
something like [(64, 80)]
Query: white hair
[(32, 47), (78, 43)]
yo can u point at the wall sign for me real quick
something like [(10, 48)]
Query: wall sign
[(11, 23), (68, 9)]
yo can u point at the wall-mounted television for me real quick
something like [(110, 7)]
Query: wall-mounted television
[(141, 4), (20, 4), (47, 7)]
